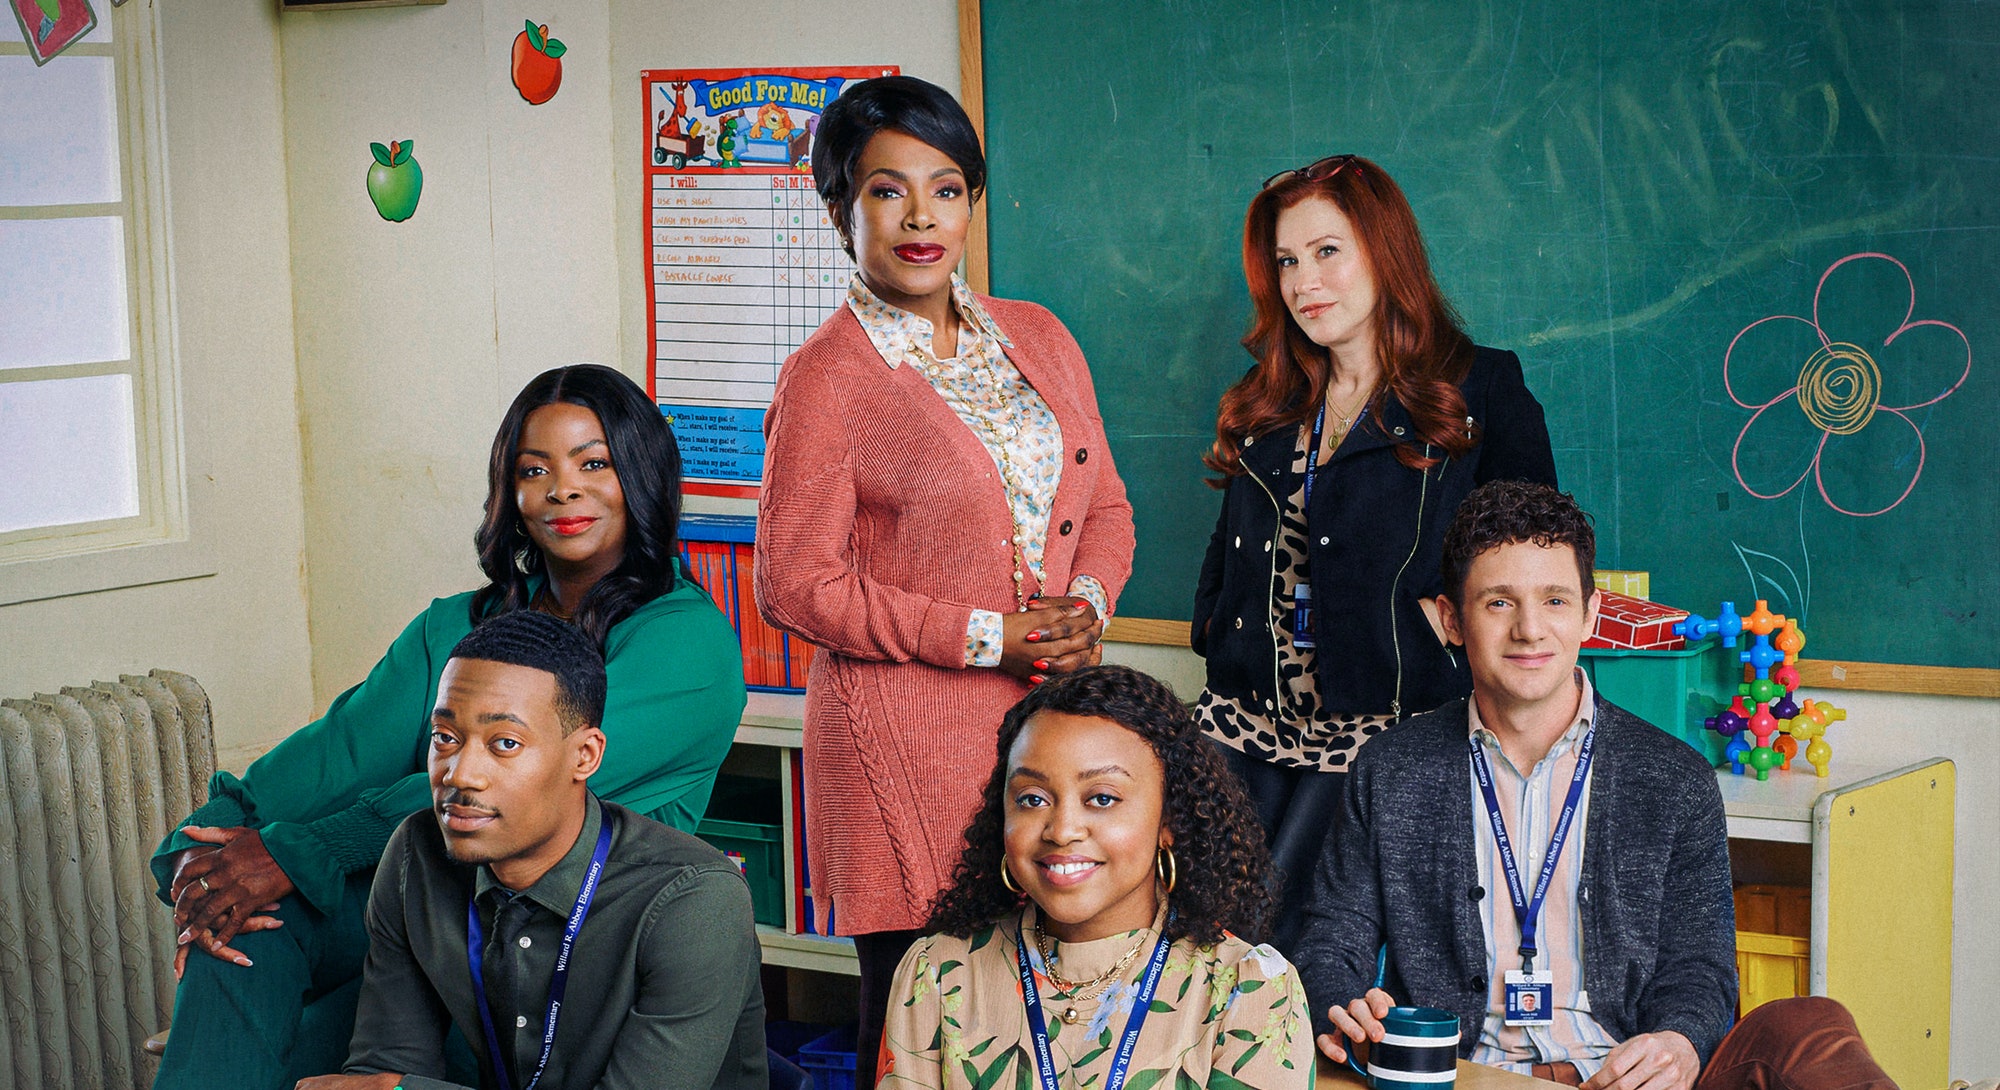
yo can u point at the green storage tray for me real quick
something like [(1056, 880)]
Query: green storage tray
[(1673, 690), (760, 850)]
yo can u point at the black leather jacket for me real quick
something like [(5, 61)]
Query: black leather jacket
[(1376, 534)]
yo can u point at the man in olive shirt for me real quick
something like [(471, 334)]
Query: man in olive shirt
[(657, 984)]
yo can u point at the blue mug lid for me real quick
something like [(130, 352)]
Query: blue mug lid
[(1420, 1022)]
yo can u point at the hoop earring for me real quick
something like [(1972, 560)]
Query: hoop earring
[(1007, 879), (1166, 867)]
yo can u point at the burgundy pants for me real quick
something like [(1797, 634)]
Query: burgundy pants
[(1808, 1043)]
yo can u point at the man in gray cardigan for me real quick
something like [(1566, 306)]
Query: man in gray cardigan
[(1540, 862)]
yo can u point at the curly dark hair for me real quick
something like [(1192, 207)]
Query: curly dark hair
[(1225, 880), (541, 642), (1506, 512)]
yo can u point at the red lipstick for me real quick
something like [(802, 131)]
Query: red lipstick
[(920, 253), (571, 526)]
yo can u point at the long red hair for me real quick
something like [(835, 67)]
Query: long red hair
[(1423, 352)]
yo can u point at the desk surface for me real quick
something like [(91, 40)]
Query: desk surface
[(1471, 1076)]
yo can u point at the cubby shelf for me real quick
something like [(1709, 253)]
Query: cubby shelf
[(1877, 844), (776, 721), (820, 953)]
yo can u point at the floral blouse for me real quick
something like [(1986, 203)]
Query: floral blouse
[(1226, 1017), (1006, 413)]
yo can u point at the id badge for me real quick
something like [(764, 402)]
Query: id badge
[(1529, 996), (1302, 615)]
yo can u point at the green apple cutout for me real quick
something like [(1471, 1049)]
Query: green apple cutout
[(395, 181)]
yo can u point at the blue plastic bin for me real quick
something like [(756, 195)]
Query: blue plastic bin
[(830, 1060)]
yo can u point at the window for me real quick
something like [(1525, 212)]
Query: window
[(89, 431)]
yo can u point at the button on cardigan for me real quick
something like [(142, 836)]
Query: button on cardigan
[(881, 526)]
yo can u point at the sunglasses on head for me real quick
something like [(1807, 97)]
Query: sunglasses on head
[(1316, 171)]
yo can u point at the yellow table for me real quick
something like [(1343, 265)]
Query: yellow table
[(1471, 1076)]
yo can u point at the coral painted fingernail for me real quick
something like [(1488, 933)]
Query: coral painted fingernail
[(1034, 637), (1037, 679), (1041, 664)]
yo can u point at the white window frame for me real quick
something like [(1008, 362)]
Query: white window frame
[(158, 544)]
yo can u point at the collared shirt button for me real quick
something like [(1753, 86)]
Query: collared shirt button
[(1325, 540), (526, 942), (1267, 546), (520, 1021), (1399, 431), (1239, 622), (1239, 541)]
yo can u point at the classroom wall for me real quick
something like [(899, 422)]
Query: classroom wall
[(648, 34), (524, 254), (241, 632), (414, 336)]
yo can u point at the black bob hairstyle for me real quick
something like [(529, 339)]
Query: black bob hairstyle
[(648, 464), (903, 103), (1510, 512), (541, 642), (1225, 879)]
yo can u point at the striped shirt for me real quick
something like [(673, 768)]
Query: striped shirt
[(1530, 805), (1010, 418)]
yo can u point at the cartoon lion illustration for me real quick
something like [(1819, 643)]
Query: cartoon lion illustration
[(773, 123)]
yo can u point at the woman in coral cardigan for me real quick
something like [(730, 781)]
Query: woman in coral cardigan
[(939, 515)]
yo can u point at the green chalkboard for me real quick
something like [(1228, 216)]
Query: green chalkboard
[(1613, 190)]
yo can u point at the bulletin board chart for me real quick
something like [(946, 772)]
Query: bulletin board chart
[(742, 261)]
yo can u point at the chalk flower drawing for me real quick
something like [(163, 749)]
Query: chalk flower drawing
[(1839, 389)]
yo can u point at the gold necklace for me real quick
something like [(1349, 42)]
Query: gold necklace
[(1344, 421), (545, 601), (1082, 992)]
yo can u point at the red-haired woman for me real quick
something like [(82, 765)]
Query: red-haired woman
[(1344, 452)]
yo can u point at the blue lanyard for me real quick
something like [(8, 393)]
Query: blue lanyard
[(1312, 460), (475, 942), (1527, 911), (1038, 1027)]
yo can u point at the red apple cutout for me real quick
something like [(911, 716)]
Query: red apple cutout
[(537, 64), (395, 181)]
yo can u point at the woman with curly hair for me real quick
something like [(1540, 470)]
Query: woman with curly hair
[(1343, 453), (1113, 861)]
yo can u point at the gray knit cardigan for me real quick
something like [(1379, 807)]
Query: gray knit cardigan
[(1655, 899)]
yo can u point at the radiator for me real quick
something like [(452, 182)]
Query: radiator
[(92, 779)]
